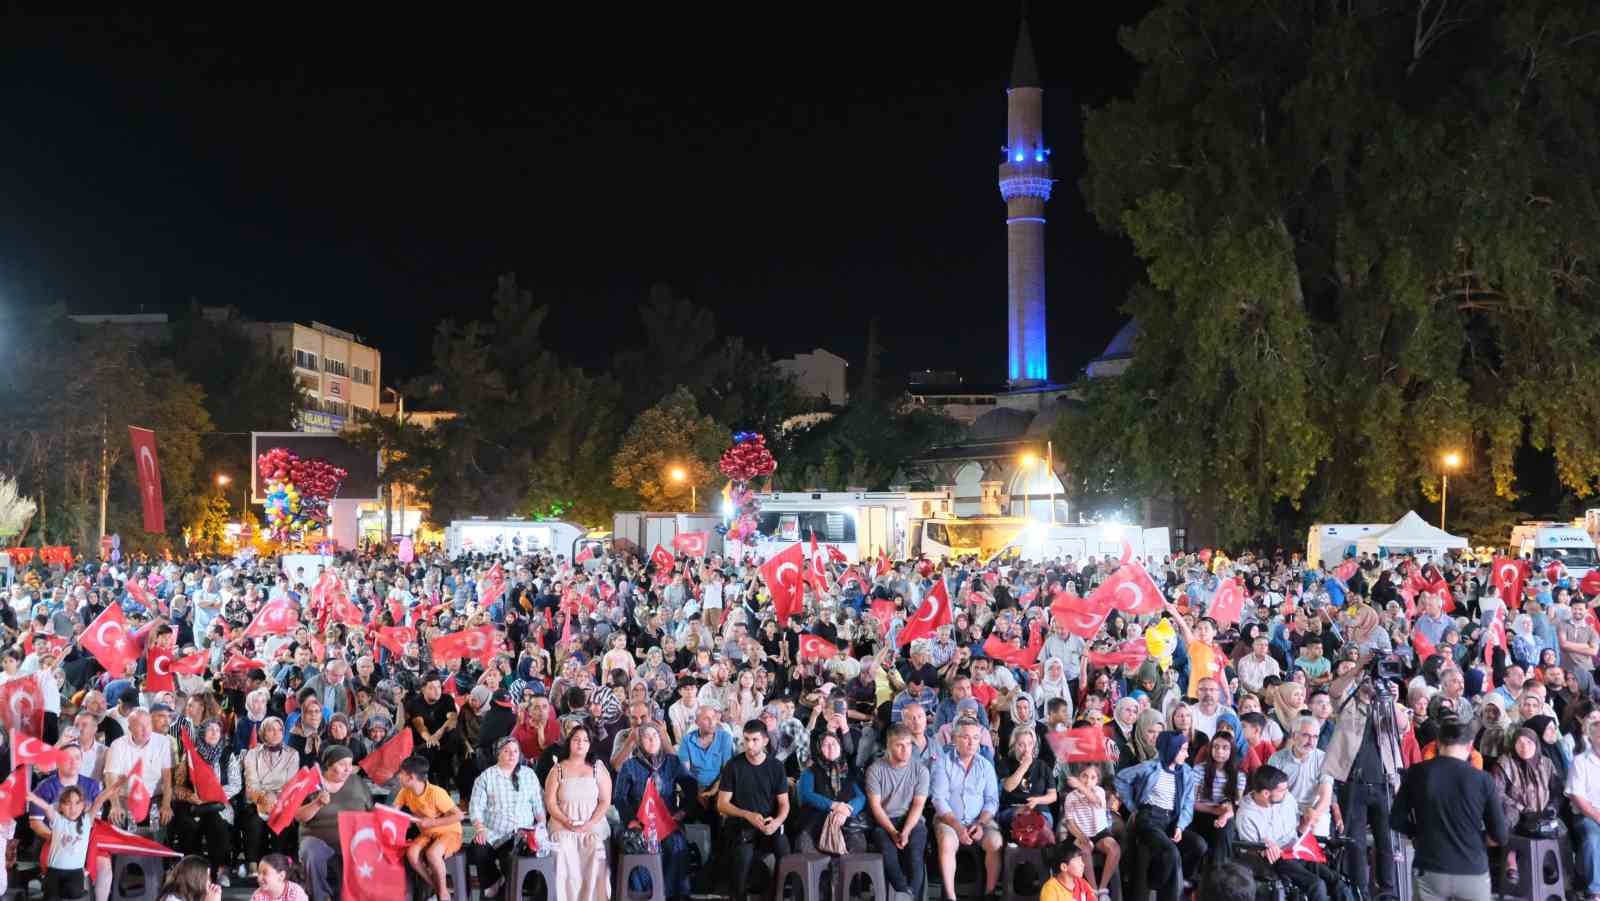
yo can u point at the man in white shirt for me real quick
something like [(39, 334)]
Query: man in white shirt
[(141, 744), (1269, 816), (1583, 789), (1256, 666)]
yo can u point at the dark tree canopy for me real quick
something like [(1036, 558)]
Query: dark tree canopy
[(1368, 233)]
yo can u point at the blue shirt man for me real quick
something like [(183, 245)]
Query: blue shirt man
[(705, 749)]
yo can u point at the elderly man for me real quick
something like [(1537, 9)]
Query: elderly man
[(704, 751), (966, 796), (1301, 762), (334, 688), (154, 752)]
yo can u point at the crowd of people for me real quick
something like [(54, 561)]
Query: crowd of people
[(1339, 729)]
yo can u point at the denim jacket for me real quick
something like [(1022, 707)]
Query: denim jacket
[(1135, 782)]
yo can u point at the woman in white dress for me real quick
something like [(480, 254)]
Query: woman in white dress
[(577, 795)]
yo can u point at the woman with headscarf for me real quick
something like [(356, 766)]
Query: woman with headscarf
[(1150, 683), (1053, 685), (1146, 729), (830, 792), (1362, 627), (1549, 734), (1159, 794), (268, 767), (342, 791), (245, 729), (1526, 779), (1121, 729), (204, 825), (651, 762), (1020, 715), (306, 736)]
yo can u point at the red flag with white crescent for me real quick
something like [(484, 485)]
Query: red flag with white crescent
[(1081, 616), (834, 554), (817, 574), (32, 751), (1130, 653), (158, 670), (138, 793), (144, 459), (1422, 645), (294, 793), (934, 612), (1305, 848), (369, 874), (1507, 578), (815, 647), (14, 795), (278, 617), (108, 838), (192, 665), (1228, 603), (107, 639), (1086, 744), (663, 560), (883, 564), (202, 775), (1004, 651), (381, 765), (22, 702), (1131, 590), (392, 825), (691, 544), (653, 811), (477, 644), (783, 577)]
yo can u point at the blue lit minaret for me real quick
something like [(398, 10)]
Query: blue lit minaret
[(1025, 186)]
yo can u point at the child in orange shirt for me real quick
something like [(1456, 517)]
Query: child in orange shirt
[(438, 818), (1066, 882)]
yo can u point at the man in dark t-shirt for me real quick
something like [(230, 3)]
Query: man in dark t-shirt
[(432, 718), (753, 797)]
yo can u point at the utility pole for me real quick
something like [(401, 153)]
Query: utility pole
[(105, 474)]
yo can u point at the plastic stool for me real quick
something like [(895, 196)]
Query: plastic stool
[(847, 867), (152, 869), (1541, 870), (522, 867), (1013, 858), (651, 864), (979, 859), (699, 835), (455, 876), (809, 867)]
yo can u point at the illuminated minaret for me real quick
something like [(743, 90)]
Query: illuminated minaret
[(1025, 186)]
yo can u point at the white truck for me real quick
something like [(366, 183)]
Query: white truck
[(1542, 541), (638, 532), (1328, 543), (513, 536), (860, 524)]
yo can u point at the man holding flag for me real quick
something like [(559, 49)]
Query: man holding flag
[(1269, 816)]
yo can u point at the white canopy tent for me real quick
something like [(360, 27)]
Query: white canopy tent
[(1410, 535)]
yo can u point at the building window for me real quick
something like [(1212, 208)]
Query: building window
[(336, 367), (334, 407), (360, 376), (305, 359)]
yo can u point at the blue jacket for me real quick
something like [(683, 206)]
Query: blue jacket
[(1135, 782)]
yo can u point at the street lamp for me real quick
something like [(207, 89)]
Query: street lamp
[(1450, 460), (678, 475), (1028, 459)]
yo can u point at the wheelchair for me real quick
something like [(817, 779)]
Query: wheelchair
[(1270, 887)]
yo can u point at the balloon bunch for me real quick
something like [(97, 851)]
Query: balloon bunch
[(298, 492), (748, 459)]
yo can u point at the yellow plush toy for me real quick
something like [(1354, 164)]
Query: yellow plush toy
[(1159, 640)]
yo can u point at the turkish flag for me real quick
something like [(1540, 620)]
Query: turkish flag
[(381, 765), (158, 670), (1507, 578), (883, 564), (1555, 571), (1422, 645), (239, 663), (653, 812), (1011, 655), (22, 701), (494, 585), (140, 593), (815, 647), (817, 574), (395, 638), (392, 825), (991, 578), (850, 575), (326, 581), (138, 793), (369, 874), (585, 554), (1130, 590), (1127, 552), (192, 665), (279, 617), (107, 639), (663, 560), (1590, 583), (1132, 653), (201, 775), (834, 554), (934, 612), (30, 750), (1228, 603), (783, 576), (476, 644), (1086, 744), (1305, 848), (341, 609), (144, 457), (397, 610), (295, 791), (14, 795), (1346, 570), (1082, 617), (691, 544), (108, 839), (1439, 586)]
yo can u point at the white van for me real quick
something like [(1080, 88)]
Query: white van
[(1572, 545)]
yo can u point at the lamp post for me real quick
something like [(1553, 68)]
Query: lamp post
[(678, 475), (1450, 461), (1028, 459)]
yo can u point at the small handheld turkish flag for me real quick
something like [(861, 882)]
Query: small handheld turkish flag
[(279, 617), (381, 765), (107, 639), (295, 791), (1082, 617), (783, 577), (207, 787), (192, 665), (22, 702), (138, 793), (692, 544), (1228, 603), (653, 812), (663, 560), (1130, 590), (14, 795), (30, 750), (815, 647), (934, 612), (1086, 744), (1305, 848), (476, 644)]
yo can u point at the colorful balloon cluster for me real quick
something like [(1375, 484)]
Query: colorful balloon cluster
[(748, 459), (298, 492)]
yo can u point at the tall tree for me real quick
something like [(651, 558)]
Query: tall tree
[(672, 436), (1368, 233)]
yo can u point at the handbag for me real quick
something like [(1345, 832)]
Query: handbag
[(854, 824), (1029, 829), (1539, 824)]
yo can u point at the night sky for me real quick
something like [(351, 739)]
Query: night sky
[(796, 174)]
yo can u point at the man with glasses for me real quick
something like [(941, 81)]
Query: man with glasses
[(1301, 761)]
